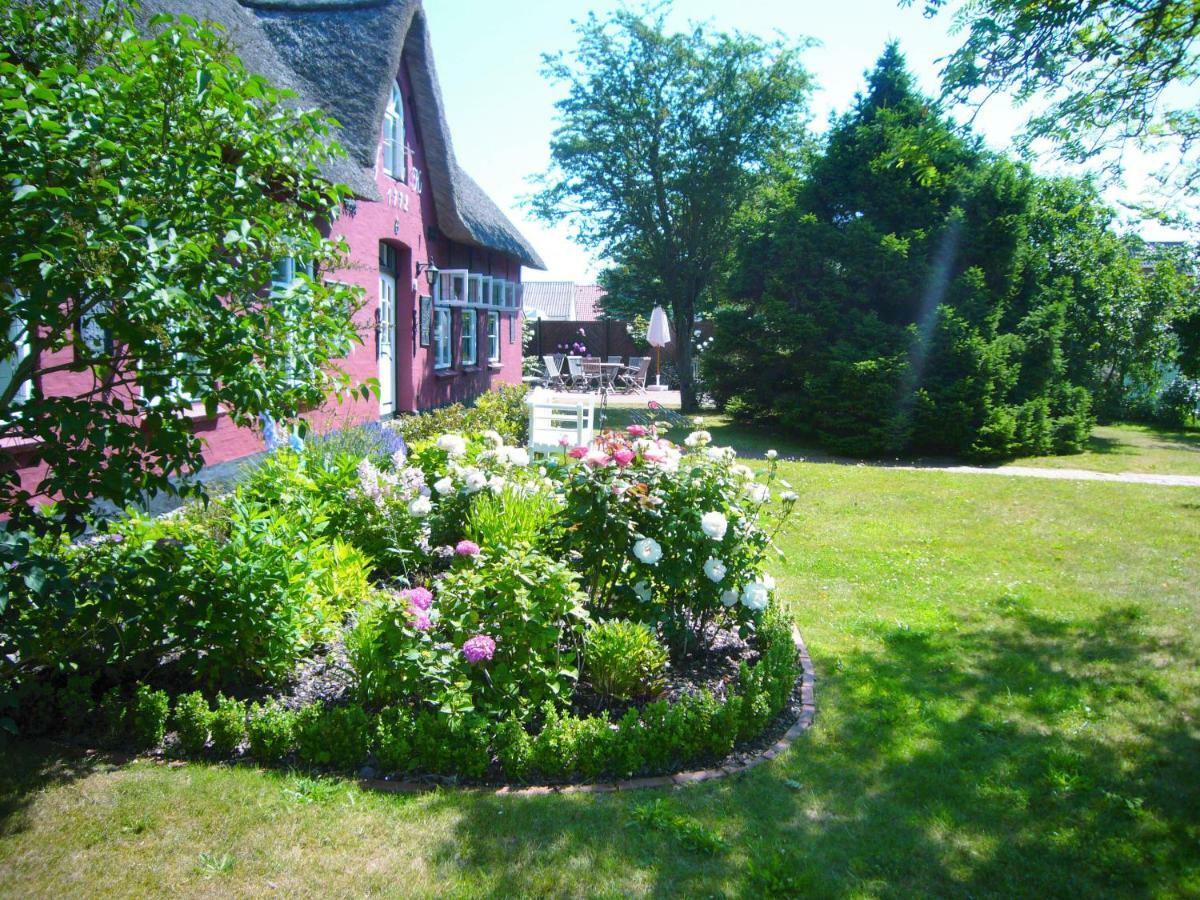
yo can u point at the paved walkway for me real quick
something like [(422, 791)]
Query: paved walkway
[(1068, 474)]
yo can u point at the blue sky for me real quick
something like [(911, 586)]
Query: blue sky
[(501, 111)]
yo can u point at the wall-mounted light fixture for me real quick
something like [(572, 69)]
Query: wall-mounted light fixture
[(430, 270)]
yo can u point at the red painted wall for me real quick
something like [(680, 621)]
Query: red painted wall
[(406, 220)]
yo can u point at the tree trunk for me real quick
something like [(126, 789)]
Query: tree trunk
[(685, 321)]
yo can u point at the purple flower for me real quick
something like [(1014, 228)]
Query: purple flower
[(421, 620), (418, 597), (466, 548), (479, 648)]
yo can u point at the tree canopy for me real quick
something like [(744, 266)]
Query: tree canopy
[(960, 306), (661, 138), (153, 190)]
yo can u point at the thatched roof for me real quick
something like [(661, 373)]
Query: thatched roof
[(342, 56)]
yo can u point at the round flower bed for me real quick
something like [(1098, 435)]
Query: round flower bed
[(450, 610)]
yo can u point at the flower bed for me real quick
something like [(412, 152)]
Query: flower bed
[(451, 609)]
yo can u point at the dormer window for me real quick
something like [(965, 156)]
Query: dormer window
[(394, 162)]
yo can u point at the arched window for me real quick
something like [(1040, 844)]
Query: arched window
[(393, 136)]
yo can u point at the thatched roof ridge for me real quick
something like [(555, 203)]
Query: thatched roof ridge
[(341, 56)]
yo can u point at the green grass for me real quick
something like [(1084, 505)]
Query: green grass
[(1131, 448), (1008, 705)]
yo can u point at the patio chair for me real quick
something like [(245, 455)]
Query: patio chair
[(617, 360), (557, 424), (593, 372), (554, 375), (576, 379), (633, 379)]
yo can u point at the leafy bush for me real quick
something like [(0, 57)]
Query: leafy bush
[(193, 719), (624, 660), (333, 736), (514, 748), (512, 516), (271, 729), (227, 725), (393, 739), (146, 718), (501, 410)]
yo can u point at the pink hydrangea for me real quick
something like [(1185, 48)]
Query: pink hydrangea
[(577, 452), (479, 648), (623, 457), (418, 597), (637, 430), (466, 548), (421, 620)]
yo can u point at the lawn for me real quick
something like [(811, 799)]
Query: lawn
[(1132, 448), (1007, 705)]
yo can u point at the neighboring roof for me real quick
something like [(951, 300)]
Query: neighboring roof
[(342, 56), (548, 299), (587, 302)]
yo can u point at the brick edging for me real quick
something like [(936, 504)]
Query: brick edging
[(803, 722)]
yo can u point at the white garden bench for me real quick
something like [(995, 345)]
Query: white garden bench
[(557, 422)]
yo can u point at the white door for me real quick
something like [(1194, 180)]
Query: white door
[(387, 344)]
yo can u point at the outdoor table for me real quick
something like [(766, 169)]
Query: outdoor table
[(610, 371)]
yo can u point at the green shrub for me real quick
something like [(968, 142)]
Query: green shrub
[(555, 752), (624, 660), (228, 725), (501, 410), (193, 719), (393, 740), (271, 729), (77, 703), (333, 736), (147, 716), (514, 748)]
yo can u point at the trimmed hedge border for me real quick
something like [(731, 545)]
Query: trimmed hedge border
[(808, 710)]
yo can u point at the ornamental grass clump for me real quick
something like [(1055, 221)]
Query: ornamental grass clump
[(624, 660)]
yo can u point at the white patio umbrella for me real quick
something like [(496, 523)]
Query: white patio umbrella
[(659, 335)]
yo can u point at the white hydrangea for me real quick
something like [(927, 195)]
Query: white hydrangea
[(714, 569), (642, 589), (444, 485), (420, 507), (698, 439), (453, 444), (648, 551), (714, 524), (474, 480)]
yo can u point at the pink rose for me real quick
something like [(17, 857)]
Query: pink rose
[(623, 457), (596, 459), (637, 430), (577, 452)]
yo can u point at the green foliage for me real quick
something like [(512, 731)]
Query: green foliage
[(910, 293), (146, 718), (659, 816), (193, 720), (271, 729), (629, 133), (514, 748), (227, 726), (393, 739), (624, 660), (512, 517), (337, 736), (501, 410), (152, 184)]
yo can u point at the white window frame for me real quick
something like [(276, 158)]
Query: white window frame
[(443, 357), (451, 287), (485, 290), (510, 295), (475, 294), (493, 333), (394, 155), (496, 301), (468, 338), (512, 329), (283, 277)]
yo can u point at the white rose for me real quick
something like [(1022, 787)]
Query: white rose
[(754, 596), (789, 496), (714, 524), (698, 439), (453, 444), (759, 493), (642, 589), (648, 551), (729, 597), (496, 483), (494, 437), (771, 454), (444, 485), (714, 569), (769, 582), (420, 507), (517, 456)]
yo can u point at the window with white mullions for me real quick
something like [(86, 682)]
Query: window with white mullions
[(394, 156), (442, 358), (13, 352), (494, 337), (287, 272), (468, 349)]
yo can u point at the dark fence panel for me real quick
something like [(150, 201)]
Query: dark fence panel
[(603, 338)]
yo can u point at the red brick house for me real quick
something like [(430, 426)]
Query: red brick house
[(368, 63)]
